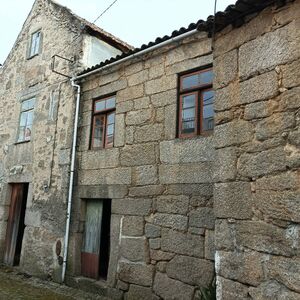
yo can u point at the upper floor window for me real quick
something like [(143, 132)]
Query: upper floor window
[(26, 120), (35, 43), (196, 114), (103, 125)]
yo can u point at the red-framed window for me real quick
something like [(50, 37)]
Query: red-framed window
[(103, 123), (196, 97)]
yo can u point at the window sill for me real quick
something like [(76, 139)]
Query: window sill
[(31, 57)]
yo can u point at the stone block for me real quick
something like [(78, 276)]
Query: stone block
[(186, 151), (243, 267), (170, 119), (144, 175), (224, 235), (104, 191), (170, 220), (133, 226), (258, 110), (200, 201), (112, 87), (98, 159), (264, 237), (209, 246), (225, 68), (284, 270), (141, 103), (138, 78), (136, 155), (282, 205), (148, 190), (231, 289), (161, 84), (272, 290), (159, 255), (130, 206), (289, 99), (233, 200), (289, 74), (262, 163), (193, 271), (164, 98), (265, 87), (233, 133), (138, 117), (105, 176), (182, 243), (185, 173), (224, 166), (124, 107), (154, 243), (32, 218), (205, 190), (129, 135), (156, 71), (119, 138), (227, 97), (202, 217), (269, 50), (152, 231), (135, 249), (161, 266), (277, 123), (134, 68), (140, 274), (168, 288), (137, 292), (172, 204), (148, 133), (283, 181), (130, 93)]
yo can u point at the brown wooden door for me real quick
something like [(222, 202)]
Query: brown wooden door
[(91, 239), (13, 223)]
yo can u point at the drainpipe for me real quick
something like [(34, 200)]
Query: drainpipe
[(67, 233)]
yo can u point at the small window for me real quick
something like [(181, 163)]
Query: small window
[(196, 114), (26, 120), (35, 44), (103, 126)]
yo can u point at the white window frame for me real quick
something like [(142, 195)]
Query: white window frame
[(35, 43)]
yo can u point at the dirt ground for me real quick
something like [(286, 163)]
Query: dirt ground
[(18, 286)]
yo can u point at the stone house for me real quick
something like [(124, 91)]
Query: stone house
[(181, 177), (36, 113), (185, 199)]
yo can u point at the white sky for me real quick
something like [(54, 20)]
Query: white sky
[(134, 21)]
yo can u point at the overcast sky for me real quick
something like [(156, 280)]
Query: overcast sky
[(134, 21)]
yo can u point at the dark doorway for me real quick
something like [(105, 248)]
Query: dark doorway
[(96, 239), (15, 224)]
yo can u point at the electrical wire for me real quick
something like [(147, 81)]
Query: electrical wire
[(105, 11)]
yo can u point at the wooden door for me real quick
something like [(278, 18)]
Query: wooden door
[(13, 223), (91, 239)]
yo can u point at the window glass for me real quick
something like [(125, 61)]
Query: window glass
[(196, 113), (110, 103), (104, 123), (98, 131), (35, 43), (26, 120)]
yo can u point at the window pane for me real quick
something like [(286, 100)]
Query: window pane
[(111, 118), (21, 133), (188, 101), (190, 81), (110, 103), (23, 118), (206, 77), (208, 97), (188, 114), (100, 105), (208, 117), (197, 79), (98, 131), (35, 43), (27, 134), (188, 120), (28, 104), (29, 117)]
